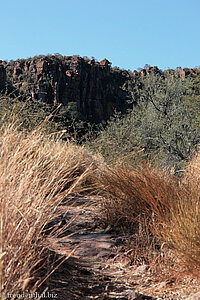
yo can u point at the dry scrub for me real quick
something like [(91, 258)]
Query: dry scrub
[(151, 202), (37, 174), (182, 233), (137, 193)]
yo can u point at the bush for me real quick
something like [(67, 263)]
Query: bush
[(161, 125)]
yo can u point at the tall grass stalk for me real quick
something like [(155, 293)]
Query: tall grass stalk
[(170, 206), (36, 174), (136, 192)]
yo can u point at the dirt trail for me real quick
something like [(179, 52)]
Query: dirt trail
[(93, 270)]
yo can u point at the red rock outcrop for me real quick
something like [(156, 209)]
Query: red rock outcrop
[(187, 72), (95, 88), (2, 76)]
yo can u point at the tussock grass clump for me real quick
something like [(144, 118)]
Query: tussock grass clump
[(139, 200), (137, 193), (36, 174), (154, 203), (183, 231), (192, 173)]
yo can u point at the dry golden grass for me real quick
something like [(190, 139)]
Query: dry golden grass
[(137, 193), (152, 202), (182, 232), (36, 174)]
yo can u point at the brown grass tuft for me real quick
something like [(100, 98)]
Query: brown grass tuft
[(150, 201), (136, 193), (36, 174), (182, 232)]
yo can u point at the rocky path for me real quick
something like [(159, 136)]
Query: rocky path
[(95, 269)]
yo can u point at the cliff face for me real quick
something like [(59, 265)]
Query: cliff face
[(2, 76), (94, 87)]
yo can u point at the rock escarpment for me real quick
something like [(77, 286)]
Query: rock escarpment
[(93, 87), (2, 76), (90, 88)]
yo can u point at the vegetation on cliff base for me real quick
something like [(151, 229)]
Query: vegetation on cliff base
[(163, 125), (31, 114)]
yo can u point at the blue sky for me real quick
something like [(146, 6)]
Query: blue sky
[(129, 33)]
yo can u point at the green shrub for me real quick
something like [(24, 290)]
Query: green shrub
[(161, 125)]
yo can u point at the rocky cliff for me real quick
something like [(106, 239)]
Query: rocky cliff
[(93, 87), (2, 76)]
